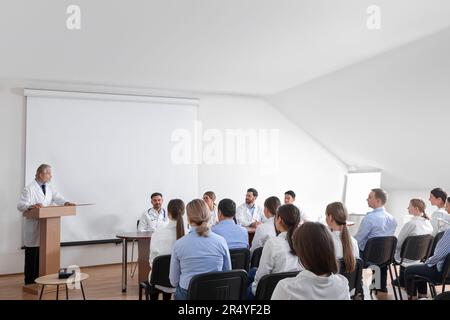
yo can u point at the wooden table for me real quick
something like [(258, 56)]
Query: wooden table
[(143, 239), (53, 280), (251, 233)]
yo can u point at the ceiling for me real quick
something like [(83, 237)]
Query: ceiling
[(248, 47)]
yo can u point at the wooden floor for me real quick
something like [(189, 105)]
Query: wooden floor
[(104, 283)]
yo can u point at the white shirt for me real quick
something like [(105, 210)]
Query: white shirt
[(162, 243), (439, 226), (214, 219), (244, 215), (33, 194), (308, 286), (151, 220), (417, 226), (263, 233), (275, 258), (336, 235)]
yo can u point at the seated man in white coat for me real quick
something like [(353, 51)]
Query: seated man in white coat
[(249, 214), (37, 194), (155, 216)]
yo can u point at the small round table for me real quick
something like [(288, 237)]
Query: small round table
[(143, 240), (53, 280)]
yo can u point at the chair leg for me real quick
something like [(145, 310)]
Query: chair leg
[(398, 287), (392, 280), (140, 293)]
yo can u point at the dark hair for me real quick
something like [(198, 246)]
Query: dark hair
[(438, 193), (290, 217), (339, 214), (176, 210), (156, 194), (272, 204), (227, 207), (290, 193), (380, 194), (252, 190), (315, 248)]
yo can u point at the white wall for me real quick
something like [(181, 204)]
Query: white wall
[(305, 167)]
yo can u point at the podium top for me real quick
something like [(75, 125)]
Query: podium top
[(50, 212)]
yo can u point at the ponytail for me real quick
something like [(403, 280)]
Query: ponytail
[(290, 217), (198, 213), (347, 250)]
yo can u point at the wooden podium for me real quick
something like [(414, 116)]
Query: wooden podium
[(50, 237)]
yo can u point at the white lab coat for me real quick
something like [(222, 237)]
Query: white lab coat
[(263, 233), (417, 226), (33, 194), (440, 220), (276, 258), (339, 250), (151, 220), (244, 216), (308, 286), (214, 218)]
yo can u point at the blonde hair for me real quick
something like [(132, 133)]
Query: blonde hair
[(421, 206), (198, 214)]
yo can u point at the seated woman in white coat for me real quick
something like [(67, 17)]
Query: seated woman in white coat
[(164, 238), (199, 251), (319, 280), (278, 253), (266, 230), (418, 225)]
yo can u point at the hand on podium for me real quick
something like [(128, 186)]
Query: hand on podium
[(36, 206), (69, 204)]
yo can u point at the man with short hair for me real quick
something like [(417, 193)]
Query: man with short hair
[(37, 194), (377, 223), (154, 217), (249, 214), (289, 198), (235, 235)]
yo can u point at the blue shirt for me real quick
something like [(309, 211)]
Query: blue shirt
[(378, 223), (235, 235), (441, 252), (194, 254)]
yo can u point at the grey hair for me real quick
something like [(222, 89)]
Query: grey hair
[(42, 168)]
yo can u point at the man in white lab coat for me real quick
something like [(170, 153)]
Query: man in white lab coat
[(37, 194), (155, 216), (289, 198), (249, 214)]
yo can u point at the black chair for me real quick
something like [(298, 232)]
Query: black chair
[(443, 296), (222, 285), (240, 259), (444, 281), (354, 278), (437, 238), (267, 284), (415, 248), (159, 276), (380, 251), (256, 256)]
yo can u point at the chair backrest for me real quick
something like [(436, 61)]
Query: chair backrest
[(256, 256), (222, 285), (446, 269), (354, 277), (160, 271), (240, 259), (267, 284), (437, 238), (416, 247), (443, 296), (380, 251)]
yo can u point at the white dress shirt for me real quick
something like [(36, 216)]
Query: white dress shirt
[(275, 258), (214, 219), (263, 233), (33, 194), (336, 235), (151, 220), (417, 226), (246, 215), (308, 286), (440, 220)]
